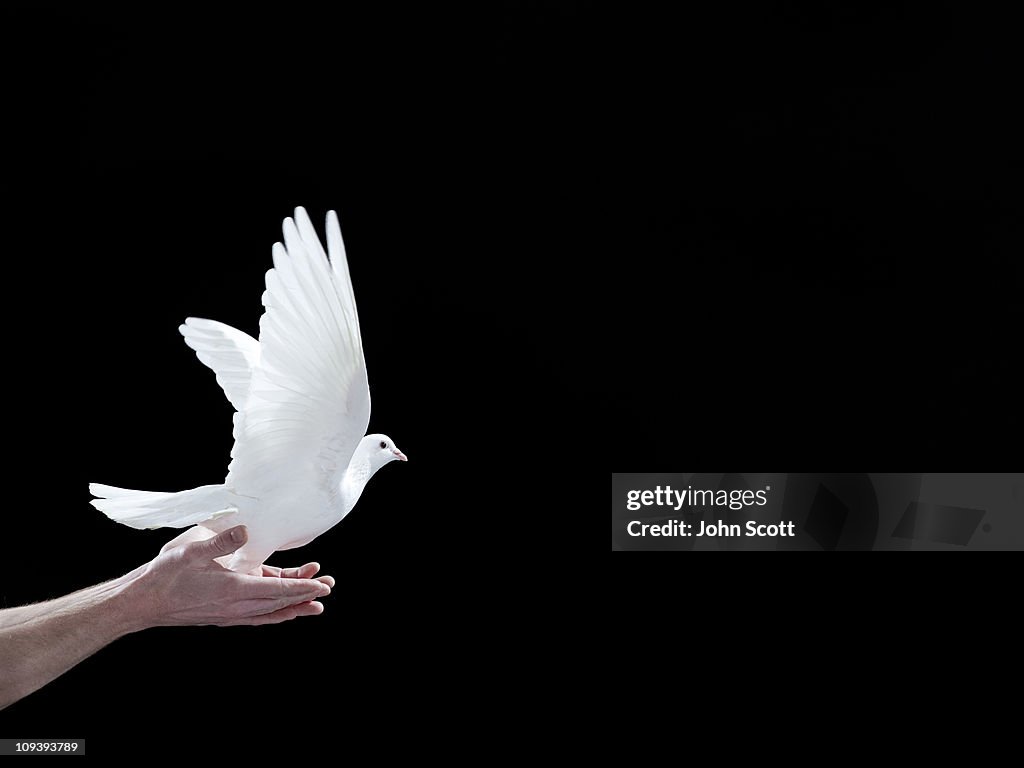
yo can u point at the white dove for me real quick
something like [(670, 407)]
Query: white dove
[(300, 459)]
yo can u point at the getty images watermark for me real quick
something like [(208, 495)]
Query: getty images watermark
[(667, 496)]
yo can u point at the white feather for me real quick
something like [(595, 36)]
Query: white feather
[(228, 352)]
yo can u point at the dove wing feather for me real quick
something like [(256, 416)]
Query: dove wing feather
[(228, 352), (308, 403)]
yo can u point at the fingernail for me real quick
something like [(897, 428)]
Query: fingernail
[(237, 535)]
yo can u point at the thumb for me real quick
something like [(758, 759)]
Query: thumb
[(224, 543)]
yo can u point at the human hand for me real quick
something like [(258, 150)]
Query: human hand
[(184, 586), (198, 533)]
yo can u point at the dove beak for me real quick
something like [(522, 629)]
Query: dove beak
[(399, 455)]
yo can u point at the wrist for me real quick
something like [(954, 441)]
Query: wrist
[(133, 609)]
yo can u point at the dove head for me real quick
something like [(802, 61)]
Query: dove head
[(381, 449), (372, 453)]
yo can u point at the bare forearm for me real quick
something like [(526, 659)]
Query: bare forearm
[(40, 642), (11, 616)]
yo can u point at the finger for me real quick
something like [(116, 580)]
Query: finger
[(291, 590), (312, 608), (195, 533), (223, 543), (262, 606), (328, 580), (307, 571)]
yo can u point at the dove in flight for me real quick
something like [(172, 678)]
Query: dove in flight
[(301, 457)]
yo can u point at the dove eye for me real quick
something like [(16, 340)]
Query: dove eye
[(383, 444)]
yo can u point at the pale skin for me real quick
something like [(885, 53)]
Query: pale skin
[(182, 586)]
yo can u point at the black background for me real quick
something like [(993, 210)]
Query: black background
[(149, 163), (823, 248)]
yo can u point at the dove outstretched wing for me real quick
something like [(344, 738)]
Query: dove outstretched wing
[(308, 402)]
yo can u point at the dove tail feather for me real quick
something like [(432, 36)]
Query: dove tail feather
[(149, 509)]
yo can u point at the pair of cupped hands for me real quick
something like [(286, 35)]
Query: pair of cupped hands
[(184, 585)]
